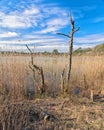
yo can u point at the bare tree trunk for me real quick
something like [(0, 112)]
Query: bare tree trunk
[(70, 36), (32, 58), (43, 85), (62, 80), (71, 47), (32, 61), (70, 58), (34, 67)]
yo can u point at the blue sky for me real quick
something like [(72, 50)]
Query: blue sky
[(36, 22)]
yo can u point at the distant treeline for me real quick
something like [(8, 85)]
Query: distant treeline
[(97, 50)]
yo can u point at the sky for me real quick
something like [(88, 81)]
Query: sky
[(37, 22)]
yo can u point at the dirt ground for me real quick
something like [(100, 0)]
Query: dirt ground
[(54, 114), (75, 114)]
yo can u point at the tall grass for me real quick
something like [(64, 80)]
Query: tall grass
[(16, 78), (17, 84)]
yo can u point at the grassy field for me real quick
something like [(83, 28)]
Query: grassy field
[(17, 85)]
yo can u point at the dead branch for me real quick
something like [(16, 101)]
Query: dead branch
[(77, 29), (63, 34), (36, 67), (32, 58)]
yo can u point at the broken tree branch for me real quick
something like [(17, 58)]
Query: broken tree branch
[(63, 34), (77, 29)]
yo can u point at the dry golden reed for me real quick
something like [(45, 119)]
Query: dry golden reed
[(16, 77)]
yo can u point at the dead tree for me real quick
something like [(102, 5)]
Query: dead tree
[(70, 36), (34, 68)]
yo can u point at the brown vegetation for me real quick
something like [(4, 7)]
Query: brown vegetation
[(17, 85)]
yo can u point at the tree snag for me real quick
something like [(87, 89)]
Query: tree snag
[(34, 68), (70, 36)]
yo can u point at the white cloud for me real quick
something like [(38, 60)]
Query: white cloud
[(31, 11), (57, 22), (48, 30), (94, 38), (8, 34), (35, 36), (39, 16), (84, 46), (52, 9), (48, 43), (14, 21), (53, 25), (44, 43), (20, 19), (48, 48), (41, 41)]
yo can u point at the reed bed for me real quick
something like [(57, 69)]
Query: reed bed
[(17, 87), (16, 77)]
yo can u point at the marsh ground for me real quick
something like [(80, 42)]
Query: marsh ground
[(77, 112)]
